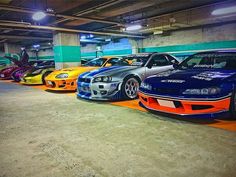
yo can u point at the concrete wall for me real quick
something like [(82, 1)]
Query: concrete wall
[(120, 47), (45, 54), (185, 42), (180, 43)]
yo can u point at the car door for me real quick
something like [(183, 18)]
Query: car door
[(157, 63)]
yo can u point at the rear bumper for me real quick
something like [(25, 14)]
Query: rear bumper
[(185, 107), (60, 85)]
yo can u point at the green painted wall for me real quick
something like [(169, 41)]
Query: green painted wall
[(42, 58), (67, 53), (6, 61), (123, 52)]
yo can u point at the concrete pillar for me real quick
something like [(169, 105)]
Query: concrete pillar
[(11, 50), (135, 46), (66, 50)]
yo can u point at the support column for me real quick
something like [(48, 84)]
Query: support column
[(66, 50), (11, 50), (134, 44)]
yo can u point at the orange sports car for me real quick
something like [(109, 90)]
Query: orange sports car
[(65, 79)]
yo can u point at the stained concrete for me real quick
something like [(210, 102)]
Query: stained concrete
[(46, 134)]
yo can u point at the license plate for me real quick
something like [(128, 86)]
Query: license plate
[(166, 103), (2, 75), (50, 83)]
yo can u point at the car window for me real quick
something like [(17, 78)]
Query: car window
[(113, 61), (160, 60), (170, 58), (118, 62)]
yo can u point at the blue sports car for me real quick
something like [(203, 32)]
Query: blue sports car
[(202, 85)]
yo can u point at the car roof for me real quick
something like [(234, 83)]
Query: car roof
[(145, 54), (216, 51)]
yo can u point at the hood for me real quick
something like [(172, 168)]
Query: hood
[(190, 78), (109, 71), (72, 72)]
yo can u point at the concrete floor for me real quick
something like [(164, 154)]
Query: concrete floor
[(46, 134)]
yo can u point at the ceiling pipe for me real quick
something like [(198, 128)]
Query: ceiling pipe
[(3, 40), (183, 10), (24, 37), (90, 10), (32, 30), (66, 30), (25, 10)]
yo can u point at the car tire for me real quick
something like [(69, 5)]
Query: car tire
[(44, 76), (233, 105), (129, 88)]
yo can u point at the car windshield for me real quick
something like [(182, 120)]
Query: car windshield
[(96, 62), (46, 63), (119, 62), (216, 60), (137, 60)]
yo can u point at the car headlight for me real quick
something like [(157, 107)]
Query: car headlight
[(146, 86), (38, 71), (62, 75), (103, 79), (203, 91)]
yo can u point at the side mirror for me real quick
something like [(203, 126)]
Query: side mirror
[(149, 65), (175, 64)]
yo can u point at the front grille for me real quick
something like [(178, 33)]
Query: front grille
[(201, 107), (86, 80), (166, 90)]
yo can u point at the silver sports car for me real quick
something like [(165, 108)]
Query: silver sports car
[(123, 81)]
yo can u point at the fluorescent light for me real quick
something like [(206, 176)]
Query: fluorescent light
[(82, 37), (108, 39), (223, 11), (38, 16), (133, 27), (158, 32), (36, 46)]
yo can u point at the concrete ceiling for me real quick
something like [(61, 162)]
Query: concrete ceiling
[(109, 15)]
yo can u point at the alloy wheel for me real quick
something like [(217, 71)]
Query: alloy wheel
[(131, 88)]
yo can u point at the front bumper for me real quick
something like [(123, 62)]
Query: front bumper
[(184, 106), (99, 90), (60, 85), (5, 76), (33, 80)]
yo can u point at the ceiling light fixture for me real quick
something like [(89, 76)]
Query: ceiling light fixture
[(158, 32), (133, 27), (36, 46), (225, 10), (38, 15)]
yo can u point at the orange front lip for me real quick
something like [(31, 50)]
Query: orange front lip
[(185, 107), (67, 84)]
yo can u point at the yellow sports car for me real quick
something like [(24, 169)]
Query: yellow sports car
[(65, 79), (36, 76)]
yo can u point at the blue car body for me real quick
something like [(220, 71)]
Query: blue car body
[(197, 91)]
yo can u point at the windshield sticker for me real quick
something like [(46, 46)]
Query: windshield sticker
[(203, 66), (173, 81), (208, 76)]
